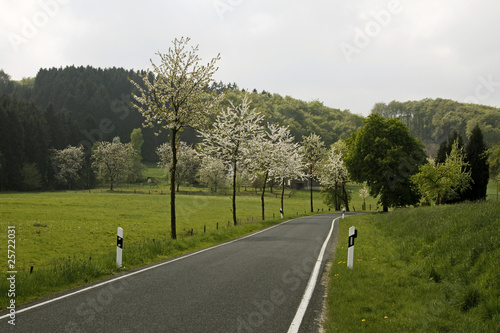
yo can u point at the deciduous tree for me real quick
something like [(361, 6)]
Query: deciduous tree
[(448, 179), (364, 193), (112, 161), (175, 96), (313, 151), (287, 161), (231, 139), (137, 140), (67, 164), (333, 176), (213, 173), (188, 162), (385, 155), (267, 155)]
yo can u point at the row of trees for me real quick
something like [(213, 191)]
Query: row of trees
[(176, 95), (383, 153), (111, 162)]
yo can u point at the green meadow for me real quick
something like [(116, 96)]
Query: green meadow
[(428, 269), (66, 239)]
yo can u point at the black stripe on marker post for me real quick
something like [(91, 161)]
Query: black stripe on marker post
[(352, 237)]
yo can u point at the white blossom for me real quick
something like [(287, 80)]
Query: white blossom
[(333, 171), (213, 173), (67, 163), (187, 165), (231, 138), (113, 161)]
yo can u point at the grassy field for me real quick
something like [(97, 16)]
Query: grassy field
[(69, 238), (492, 191), (54, 226), (429, 269)]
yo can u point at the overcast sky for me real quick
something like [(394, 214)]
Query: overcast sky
[(347, 54)]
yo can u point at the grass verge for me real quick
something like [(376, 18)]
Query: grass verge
[(429, 269)]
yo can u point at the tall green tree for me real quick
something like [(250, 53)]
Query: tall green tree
[(175, 96), (385, 155), (477, 158), (137, 140)]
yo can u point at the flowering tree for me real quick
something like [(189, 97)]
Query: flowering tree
[(213, 173), (313, 150), (113, 161), (231, 138), (364, 193), (188, 162), (334, 176), (175, 96), (286, 161), (265, 153), (67, 163)]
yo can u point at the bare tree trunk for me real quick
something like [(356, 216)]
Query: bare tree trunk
[(346, 197), (262, 196), (282, 195), (173, 146), (234, 192), (311, 185)]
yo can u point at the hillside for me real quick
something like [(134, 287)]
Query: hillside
[(88, 95), (434, 120)]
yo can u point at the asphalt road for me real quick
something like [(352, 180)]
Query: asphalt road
[(253, 284)]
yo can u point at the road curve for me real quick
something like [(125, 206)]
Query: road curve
[(253, 284)]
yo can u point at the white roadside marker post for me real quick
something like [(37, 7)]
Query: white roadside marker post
[(119, 248), (353, 233), (343, 212), (281, 212)]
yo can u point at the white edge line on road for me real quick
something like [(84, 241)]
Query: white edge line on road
[(142, 270), (301, 311)]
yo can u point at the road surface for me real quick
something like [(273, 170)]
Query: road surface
[(253, 284)]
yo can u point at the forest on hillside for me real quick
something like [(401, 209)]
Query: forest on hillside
[(85, 96), (435, 120), (84, 105)]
